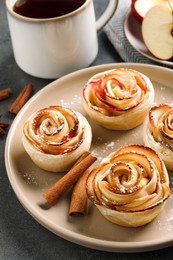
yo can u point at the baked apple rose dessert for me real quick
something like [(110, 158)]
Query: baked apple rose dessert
[(130, 186), (118, 99), (158, 132), (55, 137)]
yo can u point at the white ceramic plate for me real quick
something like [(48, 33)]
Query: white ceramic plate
[(132, 29), (29, 182)]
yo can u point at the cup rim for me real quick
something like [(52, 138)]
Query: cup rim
[(42, 20)]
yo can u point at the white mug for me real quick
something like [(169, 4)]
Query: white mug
[(53, 47)]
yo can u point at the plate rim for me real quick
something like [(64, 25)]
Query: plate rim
[(149, 56), (103, 245)]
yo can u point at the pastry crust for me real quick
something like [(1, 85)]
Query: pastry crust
[(130, 186), (158, 132), (55, 137), (118, 99)]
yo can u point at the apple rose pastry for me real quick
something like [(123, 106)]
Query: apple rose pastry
[(130, 186), (158, 132), (118, 99), (55, 137)]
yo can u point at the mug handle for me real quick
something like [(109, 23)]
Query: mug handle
[(106, 16)]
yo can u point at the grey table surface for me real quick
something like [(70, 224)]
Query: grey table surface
[(21, 236)]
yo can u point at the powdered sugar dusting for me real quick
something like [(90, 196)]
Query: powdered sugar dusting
[(38, 179), (75, 103), (106, 147)]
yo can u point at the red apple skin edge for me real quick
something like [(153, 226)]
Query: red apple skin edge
[(138, 17)]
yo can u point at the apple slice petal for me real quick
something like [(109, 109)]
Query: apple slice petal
[(157, 27)]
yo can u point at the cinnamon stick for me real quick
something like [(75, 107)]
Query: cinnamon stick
[(2, 126), (2, 131), (62, 185), (21, 99), (5, 93), (79, 199)]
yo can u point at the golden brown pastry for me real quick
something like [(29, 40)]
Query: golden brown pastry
[(158, 132), (118, 99), (130, 186), (55, 137)]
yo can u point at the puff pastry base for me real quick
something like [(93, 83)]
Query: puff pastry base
[(55, 137), (130, 187), (118, 99)]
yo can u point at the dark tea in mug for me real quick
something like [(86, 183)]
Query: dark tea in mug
[(46, 8)]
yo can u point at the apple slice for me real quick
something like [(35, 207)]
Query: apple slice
[(141, 7), (157, 32)]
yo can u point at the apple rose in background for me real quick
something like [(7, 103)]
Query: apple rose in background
[(118, 99), (158, 132), (55, 137), (130, 186)]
